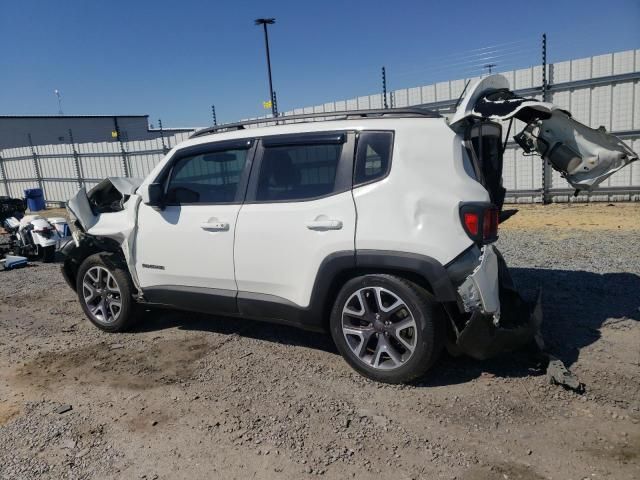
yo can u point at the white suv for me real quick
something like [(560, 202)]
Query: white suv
[(373, 225)]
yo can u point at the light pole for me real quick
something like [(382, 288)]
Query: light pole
[(57, 94), (264, 22)]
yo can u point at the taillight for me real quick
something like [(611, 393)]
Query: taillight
[(471, 223), (490, 225), (480, 221)]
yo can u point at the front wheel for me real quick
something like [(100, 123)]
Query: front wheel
[(387, 328), (105, 292)]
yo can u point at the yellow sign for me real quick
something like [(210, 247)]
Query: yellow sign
[(114, 134), (267, 104)]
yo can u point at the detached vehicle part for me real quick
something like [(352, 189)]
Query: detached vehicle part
[(36, 237), (11, 207), (584, 156), (11, 262)]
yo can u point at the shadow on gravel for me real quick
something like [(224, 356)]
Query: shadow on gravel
[(158, 319), (576, 304)]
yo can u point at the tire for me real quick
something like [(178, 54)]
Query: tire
[(395, 336), (48, 253), (105, 292)]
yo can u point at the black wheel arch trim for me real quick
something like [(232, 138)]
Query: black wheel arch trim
[(333, 272), (74, 254), (427, 267)]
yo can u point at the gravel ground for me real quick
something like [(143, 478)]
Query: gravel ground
[(193, 396)]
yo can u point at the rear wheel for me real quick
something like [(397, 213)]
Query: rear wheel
[(105, 292), (387, 328)]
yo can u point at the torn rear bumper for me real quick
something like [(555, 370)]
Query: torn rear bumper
[(494, 317)]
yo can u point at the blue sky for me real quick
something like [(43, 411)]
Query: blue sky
[(173, 59)]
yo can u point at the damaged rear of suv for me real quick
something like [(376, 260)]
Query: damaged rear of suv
[(377, 226)]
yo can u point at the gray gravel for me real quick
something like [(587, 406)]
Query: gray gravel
[(192, 396)]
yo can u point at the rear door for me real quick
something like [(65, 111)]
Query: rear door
[(299, 210), (585, 156)]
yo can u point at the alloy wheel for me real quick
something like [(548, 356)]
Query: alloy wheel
[(379, 328), (102, 295)]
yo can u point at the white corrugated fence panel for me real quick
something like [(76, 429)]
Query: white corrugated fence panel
[(623, 62), (622, 107)]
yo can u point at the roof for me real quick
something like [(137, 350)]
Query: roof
[(362, 123), (322, 117)]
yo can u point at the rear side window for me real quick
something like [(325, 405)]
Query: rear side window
[(298, 172), (373, 156), (206, 178)]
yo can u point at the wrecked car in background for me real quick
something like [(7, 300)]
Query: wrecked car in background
[(377, 226)]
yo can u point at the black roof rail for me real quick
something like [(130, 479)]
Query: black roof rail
[(341, 115)]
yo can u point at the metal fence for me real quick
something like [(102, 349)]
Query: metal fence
[(602, 90), (61, 169)]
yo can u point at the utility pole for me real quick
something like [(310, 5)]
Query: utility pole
[(76, 160), (36, 163), (164, 146), (384, 88), (123, 152), (547, 178), (490, 67), (275, 104), (264, 22), (545, 87), (213, 114)]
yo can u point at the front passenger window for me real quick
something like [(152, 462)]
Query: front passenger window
[(206, 178)]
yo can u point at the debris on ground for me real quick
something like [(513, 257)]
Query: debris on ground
[(11, 262), (558, 374), (63, 409)]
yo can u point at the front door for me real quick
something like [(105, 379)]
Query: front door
[(184, 251)]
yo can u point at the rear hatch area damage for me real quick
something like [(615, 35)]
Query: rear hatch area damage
[(492, 316), (584, 156), (499, 320)]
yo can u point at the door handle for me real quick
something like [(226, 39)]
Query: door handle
[(323, 225), (215, 226)]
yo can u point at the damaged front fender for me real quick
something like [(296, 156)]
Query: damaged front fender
[(109, 212)]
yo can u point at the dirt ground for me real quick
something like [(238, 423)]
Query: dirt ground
[(575, 216), (195, 396)]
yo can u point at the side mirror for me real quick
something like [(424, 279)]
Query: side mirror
[(152, 194)]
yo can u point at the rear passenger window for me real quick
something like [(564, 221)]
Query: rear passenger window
[(206, 178), (298, 172), (373, 157)]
